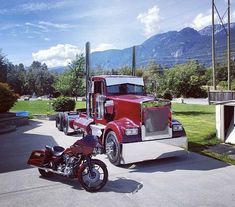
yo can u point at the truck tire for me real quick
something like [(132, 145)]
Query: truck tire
[(58, 121), (113, 149), (66, 124)]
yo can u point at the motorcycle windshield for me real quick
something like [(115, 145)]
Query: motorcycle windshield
[(89, 141)]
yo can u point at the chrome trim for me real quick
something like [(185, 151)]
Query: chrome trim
[(154, 149)]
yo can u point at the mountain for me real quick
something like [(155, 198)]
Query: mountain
[(59, 69), (170, 48)]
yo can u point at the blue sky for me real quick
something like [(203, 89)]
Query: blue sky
[(54, 31)]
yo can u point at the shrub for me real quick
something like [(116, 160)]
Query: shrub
[(63, 104), (166, 94), (7, 97)]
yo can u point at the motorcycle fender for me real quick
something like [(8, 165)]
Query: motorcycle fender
[(36, 158)]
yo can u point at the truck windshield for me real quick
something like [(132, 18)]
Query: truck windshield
[(126, 88)]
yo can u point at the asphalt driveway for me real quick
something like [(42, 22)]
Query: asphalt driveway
[(192, 180)]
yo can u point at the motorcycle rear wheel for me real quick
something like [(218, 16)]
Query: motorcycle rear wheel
[(96, 180)]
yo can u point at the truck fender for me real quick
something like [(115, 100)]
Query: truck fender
[(112, 126), (118, 126)]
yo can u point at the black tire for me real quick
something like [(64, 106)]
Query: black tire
[(98, 180), (113, 149), (45, 173), (58, 121), (66, 125)]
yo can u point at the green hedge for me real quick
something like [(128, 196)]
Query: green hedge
[(63, 104), (7, 97)]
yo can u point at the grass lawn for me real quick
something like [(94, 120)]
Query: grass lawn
[(39, 107), (198, 121)]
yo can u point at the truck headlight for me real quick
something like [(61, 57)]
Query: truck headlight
[(177, 127), (131, 131)]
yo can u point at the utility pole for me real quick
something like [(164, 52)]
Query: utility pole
[(213, 44), (227, 30), (228, 46), (133, 61)]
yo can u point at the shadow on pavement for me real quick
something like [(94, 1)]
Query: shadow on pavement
[(192, 161), (121, 185), (68, 181), (16, 147)]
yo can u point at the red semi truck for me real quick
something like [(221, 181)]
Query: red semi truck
[(131, 126)]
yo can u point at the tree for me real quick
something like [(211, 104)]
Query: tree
[(39, 80), (151, 77), (77, 68), (184, 80), (7, 97), (72, 81), (3, 68), (125, 71), (63, 84), (16, 77)]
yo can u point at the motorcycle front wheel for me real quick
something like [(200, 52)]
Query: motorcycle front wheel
[(95, 180)]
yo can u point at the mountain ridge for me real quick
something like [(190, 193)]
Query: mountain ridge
[(169, 48)]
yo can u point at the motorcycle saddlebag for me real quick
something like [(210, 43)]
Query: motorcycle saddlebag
[(36, 158)]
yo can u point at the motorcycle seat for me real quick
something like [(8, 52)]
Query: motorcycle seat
[(56, 150)]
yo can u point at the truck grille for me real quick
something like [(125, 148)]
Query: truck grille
[(156, 122)]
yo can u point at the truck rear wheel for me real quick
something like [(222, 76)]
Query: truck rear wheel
[(113, 149), (58, 121), (66, 125)]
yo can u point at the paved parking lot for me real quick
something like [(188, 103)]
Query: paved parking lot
[(192, 180)]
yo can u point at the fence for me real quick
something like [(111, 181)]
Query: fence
[(218, 96)]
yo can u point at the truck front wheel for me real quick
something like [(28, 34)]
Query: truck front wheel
[(113, 149)]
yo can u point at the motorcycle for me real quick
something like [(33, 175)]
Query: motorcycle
[(73, 162)]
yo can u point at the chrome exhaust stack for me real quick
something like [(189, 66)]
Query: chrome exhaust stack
[(87, 78)]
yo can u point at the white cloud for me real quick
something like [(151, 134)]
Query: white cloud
[(40, 6), (47, 39), (34, 6), (151, 20), (203, 20), (36, 26), (46, 26), (59, 55), (57, 26), (103, 46)]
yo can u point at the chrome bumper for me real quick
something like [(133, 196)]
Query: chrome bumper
[(154, 149)]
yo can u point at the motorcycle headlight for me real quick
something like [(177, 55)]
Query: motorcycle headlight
[(177, 127), (131, 131)]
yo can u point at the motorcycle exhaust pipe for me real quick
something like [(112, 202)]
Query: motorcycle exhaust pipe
[(50, 170)]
